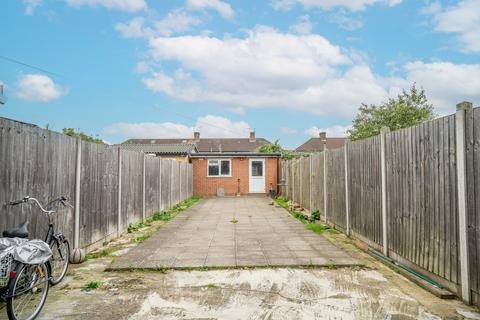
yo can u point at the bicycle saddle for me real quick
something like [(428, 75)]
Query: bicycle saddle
[(19, 232)]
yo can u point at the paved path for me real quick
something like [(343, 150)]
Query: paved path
[(233, 232)]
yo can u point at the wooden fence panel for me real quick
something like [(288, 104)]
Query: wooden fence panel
[(152, 185), (99, 177), (336, 213), (305, 182), (421, 196), (132, 183), (317, 183), (167, 182), (39, 163), (365, 183), (473, 196)]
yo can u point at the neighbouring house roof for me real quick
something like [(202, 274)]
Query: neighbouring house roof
[(208, 145), (316, 144), (235, 154), (162, 149)]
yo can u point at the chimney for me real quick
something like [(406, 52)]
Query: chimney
[(196, 136), (323, 140), (252, 136), (323, 136)]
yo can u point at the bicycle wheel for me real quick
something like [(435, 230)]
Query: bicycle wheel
[(59, 261), (27, 291)]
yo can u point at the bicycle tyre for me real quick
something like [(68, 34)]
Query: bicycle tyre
[(13, 285), (56, 246)]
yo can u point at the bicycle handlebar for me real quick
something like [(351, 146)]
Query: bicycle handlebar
[(14, 203), (62, 200)]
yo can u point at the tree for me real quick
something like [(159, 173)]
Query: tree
[(72, 133), (276, 148), (406, 110)]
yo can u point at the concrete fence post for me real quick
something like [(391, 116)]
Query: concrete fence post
[(143, 189), (300, 178), (180, 182), (325, 173), (170, 202), (460, 131), (78, 168), (160, 164), (310, 186), (347, 190), (119, 204), (383, 161)]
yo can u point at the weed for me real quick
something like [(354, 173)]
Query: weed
[(161, 269), (319, 228), (99, 254), (355, 268), (92, 285), (211, 286), (143, 237), (204, 268), (331, 265), (282, 201), (234, 220), (315, 215)]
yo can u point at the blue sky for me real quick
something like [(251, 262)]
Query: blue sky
[(287, 68)]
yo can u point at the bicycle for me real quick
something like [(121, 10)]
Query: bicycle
[(59, 244), (23, 285)]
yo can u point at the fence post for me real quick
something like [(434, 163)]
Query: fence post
[(310, 186), (143, 188), (78, 167), (300, 178), (383, 159), (180, 181), (460, 131), (347, 191), (325, 172), (119, 204), (160, 207)]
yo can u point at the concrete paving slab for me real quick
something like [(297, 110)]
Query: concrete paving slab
[(206, 235)]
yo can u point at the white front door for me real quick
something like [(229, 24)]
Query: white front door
[(257, 175)]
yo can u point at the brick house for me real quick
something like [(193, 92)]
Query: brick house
[(227, 166), (318, 144)]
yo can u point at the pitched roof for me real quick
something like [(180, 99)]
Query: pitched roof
[(316, 144), (208, 145), (166, 149)]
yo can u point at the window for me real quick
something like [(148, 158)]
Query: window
[(219, 168), (257, 168)]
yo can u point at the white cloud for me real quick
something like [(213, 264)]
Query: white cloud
[(345, 21), (303, 26), (209, 127), (445, 83), (352, 5), (462, 19), (223, 8), (302, 73), (123, 5), (264, 69), (135, 28), (38, 87), (333, 131), (31, 5), (287, 130), (176, 21)]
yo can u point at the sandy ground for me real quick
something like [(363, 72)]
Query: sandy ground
[(370, 292)]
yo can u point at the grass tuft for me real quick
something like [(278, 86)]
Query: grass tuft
[(92, 285)]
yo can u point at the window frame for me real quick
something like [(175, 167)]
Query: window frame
[(220, 175)]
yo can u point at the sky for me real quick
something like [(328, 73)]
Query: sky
[(287, 69)]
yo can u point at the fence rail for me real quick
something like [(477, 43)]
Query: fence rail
[(424, 219), (116, 187)]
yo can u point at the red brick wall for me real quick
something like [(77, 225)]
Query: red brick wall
[(207, 186)]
